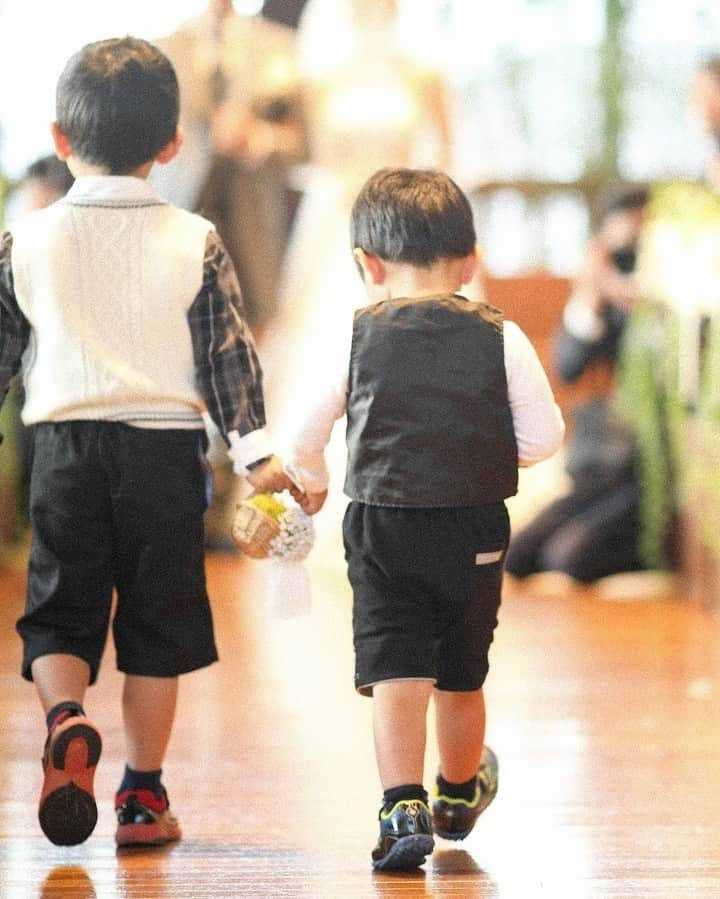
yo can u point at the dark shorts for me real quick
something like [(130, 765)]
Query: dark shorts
[(426, 592), (114, 506)]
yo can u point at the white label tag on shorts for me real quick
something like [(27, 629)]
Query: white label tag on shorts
[(488, 558)]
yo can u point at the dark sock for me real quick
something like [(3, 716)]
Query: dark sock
[(142, 780), (72, 709), (464, 790), (406, 791)]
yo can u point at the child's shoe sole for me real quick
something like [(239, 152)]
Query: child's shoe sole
[(406, 853), (147, 834), (67, 809)]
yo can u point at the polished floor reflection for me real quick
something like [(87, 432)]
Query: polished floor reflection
[(604, 715)]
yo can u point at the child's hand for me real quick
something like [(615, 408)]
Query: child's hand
[(269, 477), (311, 503), (296, 491)]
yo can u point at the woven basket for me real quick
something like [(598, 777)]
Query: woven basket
[(254, 531)]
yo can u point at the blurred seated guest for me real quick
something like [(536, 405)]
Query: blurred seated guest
[(45, 180), (594, 530), (705, 102), (242, 126)]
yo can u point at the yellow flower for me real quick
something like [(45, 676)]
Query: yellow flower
[(267, 503)]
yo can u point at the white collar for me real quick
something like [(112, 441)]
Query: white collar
[(112, 190)]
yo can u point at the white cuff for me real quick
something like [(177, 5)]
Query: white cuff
[(311, 480), (248, 449), (581, 321)]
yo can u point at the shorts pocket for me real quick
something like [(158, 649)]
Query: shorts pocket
[(489, 557)]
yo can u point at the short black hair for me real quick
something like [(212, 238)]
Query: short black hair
[(417, 216), (117, 102)]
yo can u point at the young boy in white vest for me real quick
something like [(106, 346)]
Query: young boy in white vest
[(443, 401), (125, 317)]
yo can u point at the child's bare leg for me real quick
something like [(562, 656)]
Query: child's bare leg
[(468, 779), (141, 803), (399, 726), (460, 728), (149, 712), (59, 677)]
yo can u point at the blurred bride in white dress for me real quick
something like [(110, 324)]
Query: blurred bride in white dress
[(368, 105)]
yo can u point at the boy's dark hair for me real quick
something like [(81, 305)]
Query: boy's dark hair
[(413, 216), (117, 102)]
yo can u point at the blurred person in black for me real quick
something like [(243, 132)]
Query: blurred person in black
[(243, 127), (593, 531)]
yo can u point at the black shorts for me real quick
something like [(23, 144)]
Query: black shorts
[(114, 506), (426, 592)]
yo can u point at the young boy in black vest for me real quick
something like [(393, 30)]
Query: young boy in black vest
[(443, 400), (125, 316)]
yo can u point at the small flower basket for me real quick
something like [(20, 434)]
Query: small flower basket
[(256, 524), (265, 528)]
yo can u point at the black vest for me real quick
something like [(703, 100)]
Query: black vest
[(428, 415)]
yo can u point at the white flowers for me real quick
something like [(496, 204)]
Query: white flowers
[(296, 537), (264, 526)]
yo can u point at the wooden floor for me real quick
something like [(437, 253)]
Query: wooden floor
[(604, 716)]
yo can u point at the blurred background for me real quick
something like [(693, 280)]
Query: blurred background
[(536, 107), (549, 98), (586, 134)]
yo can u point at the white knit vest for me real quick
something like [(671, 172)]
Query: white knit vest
[(106, 278)]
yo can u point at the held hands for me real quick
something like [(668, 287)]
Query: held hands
[(310, 503), (270, 477)]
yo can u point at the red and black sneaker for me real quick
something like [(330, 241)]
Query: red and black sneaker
[(67, 809), (144, 819)]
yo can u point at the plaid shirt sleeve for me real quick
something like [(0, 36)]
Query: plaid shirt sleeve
[(227, 369), (14, 327)]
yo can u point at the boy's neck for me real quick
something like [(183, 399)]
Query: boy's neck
[(413, 282), (82, 169)]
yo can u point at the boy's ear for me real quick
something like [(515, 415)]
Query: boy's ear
[(470, 266), (63, 149), (171, 149), (372, 265)]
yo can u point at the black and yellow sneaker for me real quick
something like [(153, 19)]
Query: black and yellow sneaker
[(405, 836), (453, 819)]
